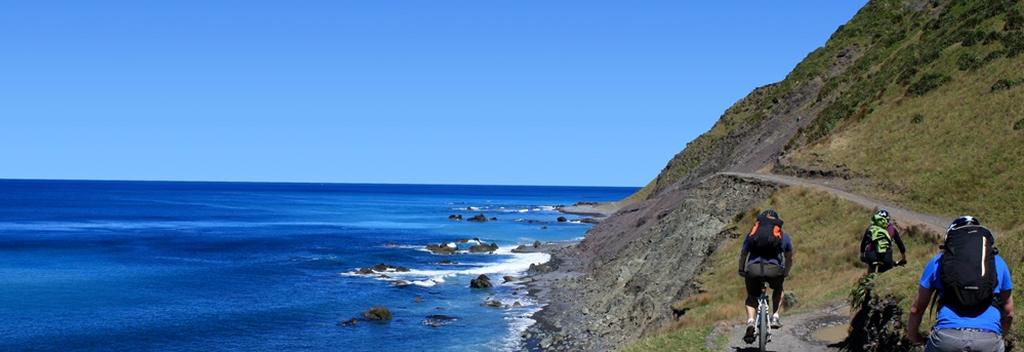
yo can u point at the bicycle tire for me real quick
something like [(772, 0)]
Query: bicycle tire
[(762, 331)]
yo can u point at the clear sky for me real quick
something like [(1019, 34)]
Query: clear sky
[(573, 92)]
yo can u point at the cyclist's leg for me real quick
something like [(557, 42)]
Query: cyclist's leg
[(775, 280), (777, 289), (886, 262), (753, 291)]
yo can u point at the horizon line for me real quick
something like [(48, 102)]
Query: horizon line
[(2, 179)]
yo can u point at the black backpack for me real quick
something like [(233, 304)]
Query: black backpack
[(766, 237), (967, 271)]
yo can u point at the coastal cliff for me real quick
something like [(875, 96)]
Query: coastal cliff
[(920, 69)]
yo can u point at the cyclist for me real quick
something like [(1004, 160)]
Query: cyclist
[(876, 244), (973, 287), (766, 257)]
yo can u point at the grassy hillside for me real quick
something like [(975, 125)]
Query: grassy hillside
[(941, 120), (826, 232), (928, 85)]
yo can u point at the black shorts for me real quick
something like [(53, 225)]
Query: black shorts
[(757, 275)]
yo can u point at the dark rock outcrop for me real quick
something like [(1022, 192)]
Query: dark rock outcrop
[(483, 248), (455, 217), (443, 248), (481, 281), (377, 313), (381, 268), (348, 323), (478, 218), (561, 219)]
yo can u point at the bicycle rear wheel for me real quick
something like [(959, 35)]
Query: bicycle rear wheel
[(762, 331)]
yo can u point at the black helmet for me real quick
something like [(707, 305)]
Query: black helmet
[(884, 213), (962, 221), (770, 213)]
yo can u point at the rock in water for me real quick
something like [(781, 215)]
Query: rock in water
[(536, 244), (478, 218), (562, 219), (481, 281), (378, 313), (348, 323), (481, 248), (493, 303), (440, 248), (455, 217)]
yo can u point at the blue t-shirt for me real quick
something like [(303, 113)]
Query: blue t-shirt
[(947, 319), (787, 246)]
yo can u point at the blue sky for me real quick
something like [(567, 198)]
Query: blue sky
[(469, 92)]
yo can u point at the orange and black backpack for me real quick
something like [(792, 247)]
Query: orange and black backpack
[(765, 237)]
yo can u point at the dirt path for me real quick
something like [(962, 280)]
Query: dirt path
[(796, 333), (903, 216)]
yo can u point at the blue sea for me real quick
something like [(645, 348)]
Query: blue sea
[(202, 266)]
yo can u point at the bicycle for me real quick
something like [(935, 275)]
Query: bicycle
[(763, 319)]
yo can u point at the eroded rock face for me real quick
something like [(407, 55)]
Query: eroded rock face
[(636, 264)]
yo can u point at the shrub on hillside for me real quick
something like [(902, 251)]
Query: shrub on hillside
[(992, 37), (916, 119), (1014, 20), (968, 61), (1013, 42), (1019, 125), (1005, 84), (973, 37), (995, 55), (926, 84), (877, 325)]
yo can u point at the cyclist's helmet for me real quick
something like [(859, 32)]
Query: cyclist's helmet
[(770, 213), (884, 213), (963, 221), (879, 220)]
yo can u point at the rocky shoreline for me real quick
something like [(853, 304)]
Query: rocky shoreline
[(550, 284)]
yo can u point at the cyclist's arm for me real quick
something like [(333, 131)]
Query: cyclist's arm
[(899, 241), (864, 240), (789, 262), (743, 259), (916, 313), (1006, 308)]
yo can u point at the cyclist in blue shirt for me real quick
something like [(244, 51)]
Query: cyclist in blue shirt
[(954, 329)]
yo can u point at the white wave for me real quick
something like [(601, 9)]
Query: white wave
[(514, 264)]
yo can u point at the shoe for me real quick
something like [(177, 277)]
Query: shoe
[(749, 336), (775, 323)]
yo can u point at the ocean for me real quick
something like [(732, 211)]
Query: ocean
[(211, 266)]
